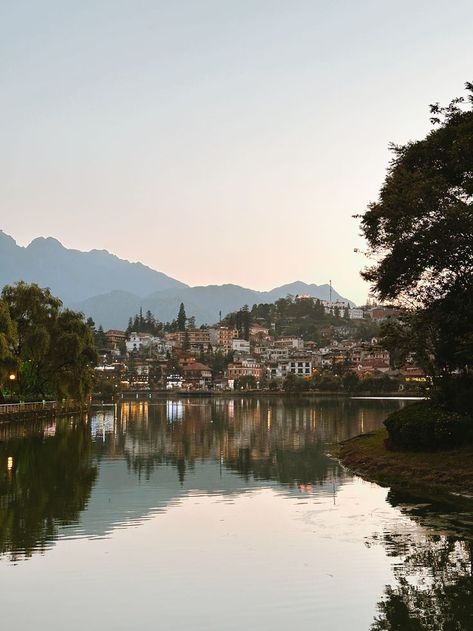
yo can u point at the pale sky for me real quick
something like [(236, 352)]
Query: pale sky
[(217, 140)]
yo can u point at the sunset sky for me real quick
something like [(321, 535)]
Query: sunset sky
[(215, 140)]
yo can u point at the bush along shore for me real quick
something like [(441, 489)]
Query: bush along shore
[(425, 448)]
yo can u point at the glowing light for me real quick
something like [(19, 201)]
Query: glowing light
[(12, 377), (10, 463)]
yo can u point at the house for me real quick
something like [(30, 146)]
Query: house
[(197, 375), (244, 368), (356, 314), (115, 339), (240, 346), (139, 341)]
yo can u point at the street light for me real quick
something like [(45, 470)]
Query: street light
[(12, 378)]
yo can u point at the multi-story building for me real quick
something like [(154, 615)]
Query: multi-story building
[(115, 339), (300, 366), (244, 368), (221, 338)]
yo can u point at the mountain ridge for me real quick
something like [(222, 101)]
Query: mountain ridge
[(110, 289)]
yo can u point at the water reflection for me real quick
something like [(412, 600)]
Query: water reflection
[(206, 480), (48, 471), (46, 476), (433, 568)]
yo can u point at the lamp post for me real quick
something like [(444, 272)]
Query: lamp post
[(12, 378)]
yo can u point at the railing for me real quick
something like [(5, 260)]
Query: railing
[(38, 406)]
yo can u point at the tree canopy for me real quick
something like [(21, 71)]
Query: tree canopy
[(420, 234), (51, 348), (420, 230)]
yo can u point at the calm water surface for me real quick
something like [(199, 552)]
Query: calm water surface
[(220, 514)]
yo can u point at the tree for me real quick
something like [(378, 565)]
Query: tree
[(53, 348), (8, 340), (420, 232), (181, 318), (422, 225), (100, 339), (293, 383), (246, 382)]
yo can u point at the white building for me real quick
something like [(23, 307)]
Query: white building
[(356, 314), (240, 346), (137, 341), (297, 366)]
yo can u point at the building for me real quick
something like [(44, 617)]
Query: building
[(115, 339), (139, 341), (244, 368), (356, 314), (299, 366), (240, 346), (382, 313), (221, 338)]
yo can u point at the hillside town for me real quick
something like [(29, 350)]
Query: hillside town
[(348, 354)]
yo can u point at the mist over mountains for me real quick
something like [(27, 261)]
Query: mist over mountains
[(110, 289)]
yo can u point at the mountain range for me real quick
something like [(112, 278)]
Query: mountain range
[(110, 289)]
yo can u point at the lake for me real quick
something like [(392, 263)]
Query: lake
[(220, 514)]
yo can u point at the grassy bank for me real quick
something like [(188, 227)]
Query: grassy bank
[(435, 473)]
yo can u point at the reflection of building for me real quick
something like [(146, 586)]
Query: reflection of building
[(174, 410)]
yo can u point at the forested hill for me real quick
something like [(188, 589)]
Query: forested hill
[(300, 317)]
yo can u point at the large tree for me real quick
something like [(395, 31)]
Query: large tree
[(420, 231), (53, 347), (181, 318), (420, 236)]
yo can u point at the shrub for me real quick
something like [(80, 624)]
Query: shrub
[(427, 426)]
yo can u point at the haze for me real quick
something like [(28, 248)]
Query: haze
[(217, 141)]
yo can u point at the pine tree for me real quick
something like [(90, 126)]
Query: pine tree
[(181, 318)]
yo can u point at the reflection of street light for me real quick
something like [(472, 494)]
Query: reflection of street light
[(12, 378)]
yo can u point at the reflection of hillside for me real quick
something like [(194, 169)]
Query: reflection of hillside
[(280, 440), (150, 456), (45, 481)]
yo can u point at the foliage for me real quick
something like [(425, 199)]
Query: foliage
[(298, 316), (293, 383), (326, 380), (426, 426), (53, 347), (420, 231), (422, 224), (144, 324), (8, 339), (246, 382)]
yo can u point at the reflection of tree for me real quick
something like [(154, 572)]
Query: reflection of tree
[(48, 484), (434, 587)]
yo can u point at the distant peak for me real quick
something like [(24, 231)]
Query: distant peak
[(6, 238), (46, 242)]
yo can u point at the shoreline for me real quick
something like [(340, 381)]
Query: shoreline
[(435, 474), (167, 394)]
